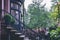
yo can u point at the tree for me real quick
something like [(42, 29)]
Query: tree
[(55, 13), (39, 16), (26, 17)]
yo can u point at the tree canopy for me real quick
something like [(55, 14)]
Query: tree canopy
[(39, 15)]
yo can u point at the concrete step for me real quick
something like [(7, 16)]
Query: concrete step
[(13, 30)]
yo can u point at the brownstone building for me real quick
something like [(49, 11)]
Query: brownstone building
[(15, 8)]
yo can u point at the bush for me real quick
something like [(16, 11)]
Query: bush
[(8, 19)]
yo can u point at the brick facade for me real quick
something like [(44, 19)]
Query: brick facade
[(6, 5)]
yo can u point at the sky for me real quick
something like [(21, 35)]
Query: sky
[(27, 2), (48, 3)]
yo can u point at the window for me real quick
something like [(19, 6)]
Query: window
[(13, 5), (15, 10)]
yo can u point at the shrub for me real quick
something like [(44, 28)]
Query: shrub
[(8, 19)]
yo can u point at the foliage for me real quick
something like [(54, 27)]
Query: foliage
[(39, 16), (26, 18), (55, 12), (59, 0), (9, 19), (53, 15), (55, 34), (56, 8)]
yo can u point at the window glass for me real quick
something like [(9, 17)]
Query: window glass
[(13, 5), (15, 11), (17, 14)]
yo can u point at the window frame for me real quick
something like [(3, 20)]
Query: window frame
[(14, 9)]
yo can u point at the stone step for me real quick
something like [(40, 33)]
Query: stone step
[(18, 33), (11, 28), (22, 36), (26, 38)]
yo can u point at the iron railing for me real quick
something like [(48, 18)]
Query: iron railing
[(24, 29), (18, 27)]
